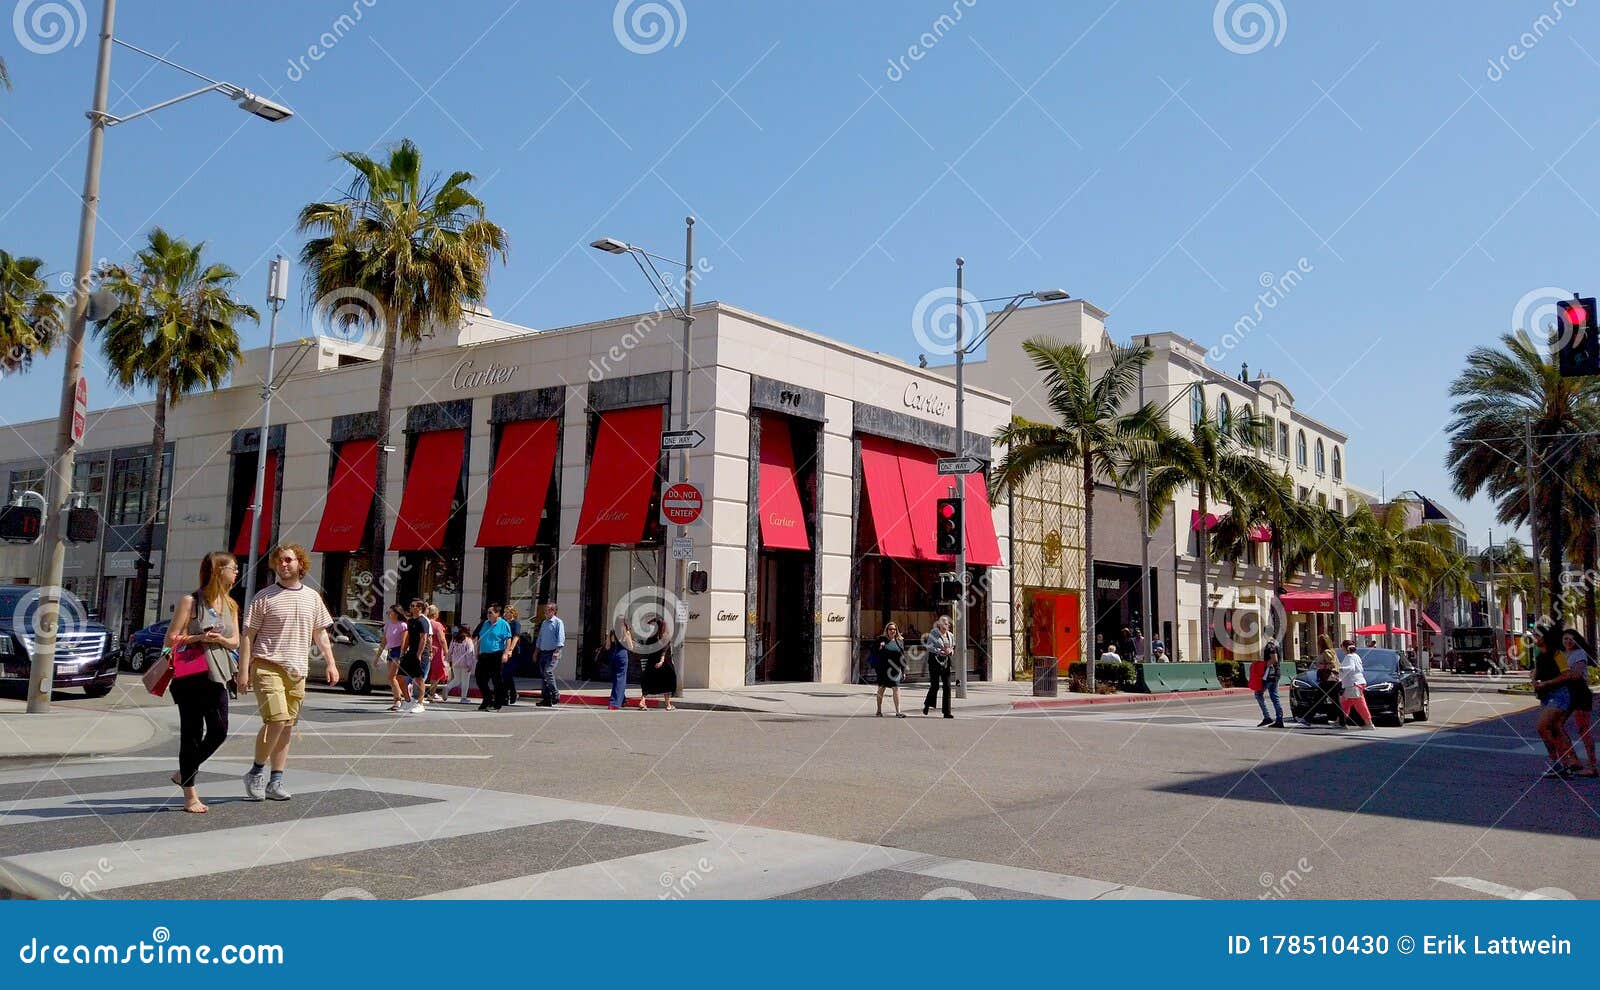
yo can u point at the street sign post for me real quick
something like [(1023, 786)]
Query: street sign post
[(682, 439), (80, 409), (960, 465), (681, 504)]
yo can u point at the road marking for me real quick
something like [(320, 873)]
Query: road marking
[(1502, 891), (315, 756), (418, 735)]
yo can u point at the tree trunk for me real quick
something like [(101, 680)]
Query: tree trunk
[(152, 494), (1388, 616), (1558, 540), (1336, 615), (1090, 658), (1588, 583), (391, 344), (1283, 637), (1205, 579)]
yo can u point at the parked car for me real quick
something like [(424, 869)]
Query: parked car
[(84, 658), (357, 651), (144, 647), (1396, 689)]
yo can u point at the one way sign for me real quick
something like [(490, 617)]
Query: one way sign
[(682, 439), (960, 465)]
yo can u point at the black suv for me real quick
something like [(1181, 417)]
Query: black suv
[(84, 658)]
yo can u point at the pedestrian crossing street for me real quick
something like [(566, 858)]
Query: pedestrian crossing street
[(115, 828)]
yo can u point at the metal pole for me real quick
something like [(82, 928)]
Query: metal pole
[(1144, 530), (1533, 517), (1494, 613), (959, 616), (42, 671), (277, 284), (682, 577)]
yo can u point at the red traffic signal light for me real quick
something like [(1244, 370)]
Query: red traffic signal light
[(20, 523), (1577, 339), (947, 537)]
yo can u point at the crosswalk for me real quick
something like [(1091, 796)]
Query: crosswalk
[(115, 828)]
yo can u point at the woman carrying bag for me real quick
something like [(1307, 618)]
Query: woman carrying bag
[(202, 637), (940, 643), (889, 663)]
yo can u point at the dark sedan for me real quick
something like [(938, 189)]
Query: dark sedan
[(143, 648), (1396, 690)]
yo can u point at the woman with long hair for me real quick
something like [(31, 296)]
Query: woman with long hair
[(618, 650), (889, 663), (463, 660), (209, 619), (1353, 679), (940, 643), (394, 631), (657, 676), (1579, 659), (438, 665)]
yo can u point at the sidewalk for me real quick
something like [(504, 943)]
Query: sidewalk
[(844, 700), (67, 731)]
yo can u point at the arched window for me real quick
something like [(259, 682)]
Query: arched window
[(1338, 465), (1322, 459), (1224, 412), (1300, 448), (1197, 405)]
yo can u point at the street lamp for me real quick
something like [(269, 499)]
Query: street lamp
[(959, 491), (277, 292), (647, 267), (42, 668)]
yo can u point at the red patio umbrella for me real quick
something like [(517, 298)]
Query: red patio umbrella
[(1380, 629)]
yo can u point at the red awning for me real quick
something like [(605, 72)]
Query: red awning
[(1261, 534), (1316, 601), (344, 515), (519, 483), (1430, 624), (783, 521), (241, 542), (1379, 629), (1211, 520), (919, 470), (886, 498), (622, 476), (430, 489), (983, 546)]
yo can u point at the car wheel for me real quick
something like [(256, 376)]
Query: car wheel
[(1422, 713), (1399, 708), (358, 680), (97, 690), (138, 660)]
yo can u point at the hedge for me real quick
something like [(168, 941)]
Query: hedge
[(1122, 674)]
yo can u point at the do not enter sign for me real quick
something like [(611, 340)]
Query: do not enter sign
[(681, 504)]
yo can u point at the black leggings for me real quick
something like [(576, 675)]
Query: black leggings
[(938, 674), (489, 683), (202, 722)]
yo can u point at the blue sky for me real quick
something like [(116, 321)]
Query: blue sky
[(1130, 152)]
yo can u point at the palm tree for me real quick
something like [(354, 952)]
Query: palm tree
[(1501, 393), (1219, 460), (1093, 432), (31, 317), (1400, 558), (174, 330), (418, 246), (1513, 577)]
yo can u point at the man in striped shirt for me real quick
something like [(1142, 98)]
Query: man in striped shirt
[(280, 627)]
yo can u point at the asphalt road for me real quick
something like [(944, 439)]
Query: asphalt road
[(1185, 796)]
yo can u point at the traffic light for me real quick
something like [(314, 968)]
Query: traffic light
[(948, 538), (20, 523), (1579, 338), (83, 525)]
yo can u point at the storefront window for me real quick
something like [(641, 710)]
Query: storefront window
[(89, 480), (31, 480), (127, 490)]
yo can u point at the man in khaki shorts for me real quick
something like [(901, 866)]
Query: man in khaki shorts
[(280, 627)]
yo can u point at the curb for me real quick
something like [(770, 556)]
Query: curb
[(1124, 699)]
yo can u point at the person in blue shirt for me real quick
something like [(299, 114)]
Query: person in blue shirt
[(552, 637), (494, 648)]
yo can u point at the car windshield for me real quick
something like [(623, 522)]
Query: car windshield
[(1379, 661), (367, 631)]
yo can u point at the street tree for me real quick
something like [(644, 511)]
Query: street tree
[(31, 316)]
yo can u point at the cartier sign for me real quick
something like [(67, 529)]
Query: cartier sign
[(924, 401), (467, 375)]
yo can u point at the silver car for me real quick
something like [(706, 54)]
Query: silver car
[(358, 651)]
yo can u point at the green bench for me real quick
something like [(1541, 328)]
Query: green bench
[(1165, 678)]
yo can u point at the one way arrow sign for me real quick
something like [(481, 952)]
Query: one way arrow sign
[(960, 465), (682, 439)]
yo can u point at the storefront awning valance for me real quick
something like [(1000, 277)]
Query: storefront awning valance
[(886, 499), (1211, 520), (983, 544), (1429, 624), (430, 489), (519, 483), (241, 542), (783, 523), (904, 485), (622, 476), (344, 515), (1316, 601)]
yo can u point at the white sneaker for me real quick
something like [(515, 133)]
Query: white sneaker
[(255, 785), (415, 707), (277, 792)]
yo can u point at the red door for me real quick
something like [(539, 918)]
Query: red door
[(1053, 629)]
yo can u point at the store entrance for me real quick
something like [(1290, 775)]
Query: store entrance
[(623, 585), (785, 607)]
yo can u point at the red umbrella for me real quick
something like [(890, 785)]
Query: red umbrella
[(1380, 629)]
